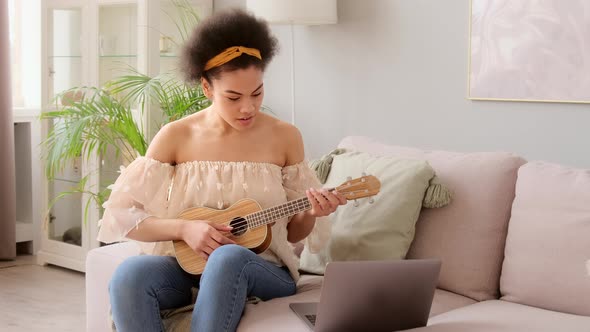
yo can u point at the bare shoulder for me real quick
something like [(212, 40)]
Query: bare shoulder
[(291, 141), (164, 145), (289, 133)]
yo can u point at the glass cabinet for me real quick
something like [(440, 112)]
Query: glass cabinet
[(117, 40), (65, 65), (86, 43)]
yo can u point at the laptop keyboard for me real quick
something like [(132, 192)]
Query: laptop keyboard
[(311, 319)]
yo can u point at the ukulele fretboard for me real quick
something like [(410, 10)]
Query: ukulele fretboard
[(269, 215)]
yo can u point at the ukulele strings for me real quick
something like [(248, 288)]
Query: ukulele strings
[(245, 224), (241, 225)]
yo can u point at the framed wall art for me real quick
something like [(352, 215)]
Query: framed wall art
[(529, 50)]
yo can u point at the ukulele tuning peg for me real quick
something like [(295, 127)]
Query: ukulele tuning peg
[(371, 200), (356, 203), (364, 175)]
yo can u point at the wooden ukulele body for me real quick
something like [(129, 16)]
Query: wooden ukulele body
[(256, 239)]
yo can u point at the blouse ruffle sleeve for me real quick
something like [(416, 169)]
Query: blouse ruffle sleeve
[(297, 179), (138, 193)]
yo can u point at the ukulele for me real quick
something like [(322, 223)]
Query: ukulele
[(252, 225)]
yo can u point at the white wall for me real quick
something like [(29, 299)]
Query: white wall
[(397, 70)]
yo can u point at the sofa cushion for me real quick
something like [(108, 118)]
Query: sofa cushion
[(469, 234), (377, 231), (502, 316), (275, 315), (446, 301), (548, 240)]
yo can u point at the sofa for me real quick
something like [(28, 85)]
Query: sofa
[(514, 245)]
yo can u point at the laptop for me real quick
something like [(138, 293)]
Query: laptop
[(373, 296)]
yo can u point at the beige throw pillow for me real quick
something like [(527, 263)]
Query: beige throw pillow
[(379, 231)]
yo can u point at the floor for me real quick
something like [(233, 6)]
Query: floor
[(40, 298)]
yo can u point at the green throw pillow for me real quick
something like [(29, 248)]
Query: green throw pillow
[(379, 231)]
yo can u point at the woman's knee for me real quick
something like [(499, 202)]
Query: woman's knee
[(128, 276), (229, 257), (132, 277), (231, 253)]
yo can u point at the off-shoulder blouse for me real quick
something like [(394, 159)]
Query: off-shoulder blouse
[(148, 187)]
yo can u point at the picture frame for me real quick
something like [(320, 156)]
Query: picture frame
[(527, 50)]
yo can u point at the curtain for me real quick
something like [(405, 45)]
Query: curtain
[(7, 172)]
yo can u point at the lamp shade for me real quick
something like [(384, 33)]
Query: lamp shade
[(303, 12)]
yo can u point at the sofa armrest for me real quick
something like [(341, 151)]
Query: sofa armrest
[(100, 266)]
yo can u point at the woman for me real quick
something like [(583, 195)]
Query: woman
[(213, 158)]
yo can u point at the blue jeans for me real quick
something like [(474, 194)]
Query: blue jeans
[(143, 285)]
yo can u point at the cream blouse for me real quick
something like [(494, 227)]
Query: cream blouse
[(143, 188)]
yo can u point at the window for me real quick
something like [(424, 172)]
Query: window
[(25, 52)]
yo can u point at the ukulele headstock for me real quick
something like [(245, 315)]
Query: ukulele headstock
[(365, 186)]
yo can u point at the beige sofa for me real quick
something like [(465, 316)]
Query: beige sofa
[(510, 262)]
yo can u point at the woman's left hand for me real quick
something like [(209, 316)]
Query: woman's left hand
[(324, 202)]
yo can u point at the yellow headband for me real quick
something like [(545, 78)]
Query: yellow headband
[(229, 54)]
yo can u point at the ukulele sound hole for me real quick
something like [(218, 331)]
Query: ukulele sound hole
[(240, 226)]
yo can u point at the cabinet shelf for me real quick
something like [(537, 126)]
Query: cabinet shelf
[(64, 56), (66, 180), (118, 56)]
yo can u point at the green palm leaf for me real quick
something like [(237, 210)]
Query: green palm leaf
[(89, 126)]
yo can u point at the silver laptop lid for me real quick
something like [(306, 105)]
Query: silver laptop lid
[(377, 295)]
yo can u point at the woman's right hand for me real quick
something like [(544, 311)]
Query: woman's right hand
[(205, 236)]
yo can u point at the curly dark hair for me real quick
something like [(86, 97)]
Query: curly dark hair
[(232, 27)]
